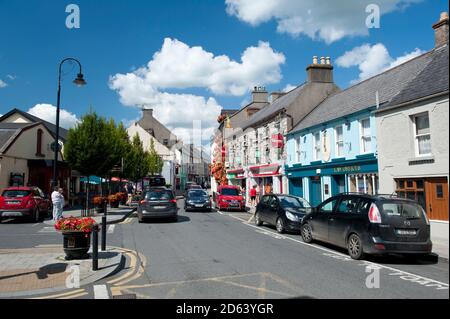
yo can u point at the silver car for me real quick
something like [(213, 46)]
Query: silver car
[(158, 203)]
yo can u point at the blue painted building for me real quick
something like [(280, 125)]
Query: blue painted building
[(334, 148)]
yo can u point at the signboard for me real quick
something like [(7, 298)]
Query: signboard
[(277, 140), (347, 169)]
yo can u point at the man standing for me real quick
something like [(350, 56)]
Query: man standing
[(58, 203)]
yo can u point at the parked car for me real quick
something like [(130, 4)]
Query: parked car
[(366, 224), (283, 211), (158, 202), (197, 199), (229, 197), (24, 202)]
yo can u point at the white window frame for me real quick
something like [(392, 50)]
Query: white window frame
[(416, 136), (336, 141), (317, 148), (361, 136)]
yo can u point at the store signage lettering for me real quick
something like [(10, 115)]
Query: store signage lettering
[(347, 169)]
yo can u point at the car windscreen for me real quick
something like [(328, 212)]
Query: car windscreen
[(293, 202), (156, 195), (402, 209), (230, 192), (157, 181), (197, 194), (16, 193)]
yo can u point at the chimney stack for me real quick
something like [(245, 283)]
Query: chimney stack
[(320, 73), (260, 95), (441, 30), (147, 113), (276, 95)]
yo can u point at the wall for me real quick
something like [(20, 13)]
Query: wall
[(396, 142)]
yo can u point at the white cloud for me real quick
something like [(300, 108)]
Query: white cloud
[(289, 88), (178, 66), (324, 19), (3, 84), (47, 112), (11, 77), (372, 60)]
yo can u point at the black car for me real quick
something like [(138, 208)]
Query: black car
[(197, 199), (283, 211), (156, 181), (191, 186), (158, 202), (366, 224)]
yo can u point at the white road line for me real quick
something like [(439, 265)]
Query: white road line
[(398, 271), (48, 230), (111, 229), (101, 292), (35, 224)]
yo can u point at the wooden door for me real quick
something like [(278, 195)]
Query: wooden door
[(437, 198)]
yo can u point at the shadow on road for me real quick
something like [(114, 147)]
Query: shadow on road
[(181, 219)]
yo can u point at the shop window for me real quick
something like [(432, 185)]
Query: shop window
[(409, 184)]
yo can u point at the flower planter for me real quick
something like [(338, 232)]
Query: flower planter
[(114, 204), (76, 244)]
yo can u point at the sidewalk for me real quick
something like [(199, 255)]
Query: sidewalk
[(43, 270), (439, 237), (114, 215)]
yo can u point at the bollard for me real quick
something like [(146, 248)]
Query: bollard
[(95, 248), (103, 233)]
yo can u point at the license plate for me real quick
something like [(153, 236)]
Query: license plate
[(12, 202), (12, 214), (198, 205), (408, 232), (159, 207)]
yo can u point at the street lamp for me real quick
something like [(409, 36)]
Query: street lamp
[(79, 81)]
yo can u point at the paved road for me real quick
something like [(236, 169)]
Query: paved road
[(219, 255)]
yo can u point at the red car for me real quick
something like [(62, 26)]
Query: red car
[(229, 197), (27, 202)]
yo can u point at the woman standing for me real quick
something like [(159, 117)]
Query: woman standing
[(58, 203)]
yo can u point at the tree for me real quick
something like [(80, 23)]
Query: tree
[(156, 162), (94, 146), (136, 160)]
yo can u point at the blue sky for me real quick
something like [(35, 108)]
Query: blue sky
[(117, 37)]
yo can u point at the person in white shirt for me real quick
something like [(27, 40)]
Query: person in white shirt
[(58, 203)]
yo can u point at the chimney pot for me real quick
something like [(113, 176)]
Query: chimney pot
[(322, 60), (328, 60), (444, 16), (315, 59)]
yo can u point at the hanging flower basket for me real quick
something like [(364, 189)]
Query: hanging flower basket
[(76, 236), (113, 201)]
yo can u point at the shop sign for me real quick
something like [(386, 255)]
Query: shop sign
[(277, 140), (347, 169)]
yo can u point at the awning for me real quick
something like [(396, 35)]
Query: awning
[(265, 170), (117, 179), (95, 180)]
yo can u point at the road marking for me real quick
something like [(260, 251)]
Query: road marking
[(47, 230), (101, 292), (35, 224), (74, 292), (75, 296), (366, 263), (111, 229)]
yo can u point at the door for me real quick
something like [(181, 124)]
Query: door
[(272, 210), (296, 187), (320, 219), (341, 220), (263, 207), (315, 192), (437, 198)]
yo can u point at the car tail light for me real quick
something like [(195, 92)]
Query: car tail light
[(143, 201), (173, 201), (374, 214), (380, 246)]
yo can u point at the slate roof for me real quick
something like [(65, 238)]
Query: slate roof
[(363, 95), (34, 119), (8, 131), (432, 80), (274, 108)]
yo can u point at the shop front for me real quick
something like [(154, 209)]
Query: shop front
[(268, 178), (237, 177), (320, 181)]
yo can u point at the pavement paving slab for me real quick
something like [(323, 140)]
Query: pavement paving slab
[(41, 270)]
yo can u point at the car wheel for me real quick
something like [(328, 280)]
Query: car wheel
[(354, 247), (307, 233), (280, 226), (258, 221), (36, 216)]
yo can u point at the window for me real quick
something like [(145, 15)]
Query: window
[(366, 138), (439, 191), (166, 142), (412, 189), (328, 206), (347, 205), (39, 143), (317, 146), (339, 138), (298, 149), (422, 134), (363, 206)]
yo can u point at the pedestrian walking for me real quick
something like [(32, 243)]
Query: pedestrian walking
[(253, 195), (58, 203)]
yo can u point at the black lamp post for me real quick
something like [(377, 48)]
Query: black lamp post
[(79, 81)]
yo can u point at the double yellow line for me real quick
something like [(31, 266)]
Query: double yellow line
[(67, 295)]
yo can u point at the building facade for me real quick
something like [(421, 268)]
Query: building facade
[(414, 162)]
